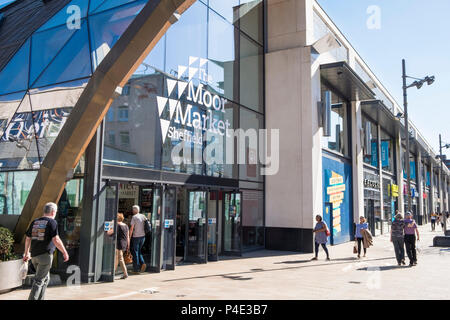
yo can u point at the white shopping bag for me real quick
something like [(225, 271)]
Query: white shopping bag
[(23, 270)]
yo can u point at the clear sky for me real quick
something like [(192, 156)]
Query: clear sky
[(416, 30)]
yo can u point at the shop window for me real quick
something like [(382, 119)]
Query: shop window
[(338, 141), (14, 189), (8, 106), (387, 152), (252, 219), (110, 114), (369, 140)]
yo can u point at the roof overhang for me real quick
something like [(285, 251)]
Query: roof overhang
[(344, 81), (378, 112)]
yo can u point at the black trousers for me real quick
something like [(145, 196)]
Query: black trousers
[(410, 244), (433, 224), (324, 246), (361, 243)]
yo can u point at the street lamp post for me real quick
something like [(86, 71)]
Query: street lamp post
[(418, 84), (442, 179)]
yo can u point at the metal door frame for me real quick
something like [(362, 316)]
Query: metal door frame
[(216, 231), (223, 251), (166, 187), (205, 232)]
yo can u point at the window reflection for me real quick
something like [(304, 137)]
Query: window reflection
[(338, 141), (369, 140), (14, 189), (251, 74), (387, 152)]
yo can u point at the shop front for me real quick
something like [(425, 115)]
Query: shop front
[(372, 201)]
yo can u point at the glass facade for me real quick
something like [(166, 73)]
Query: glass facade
[(370, 141), (387, 152), (339, 139)]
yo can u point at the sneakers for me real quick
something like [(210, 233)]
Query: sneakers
[(328, 259), (143, 267), (123, 277), (313, 259), (415, 263)]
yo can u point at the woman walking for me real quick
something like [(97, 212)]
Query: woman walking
[(362, 225), (321, 237), (123, 245), (397, 238)]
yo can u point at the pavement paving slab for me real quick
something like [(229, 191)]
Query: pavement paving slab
[(283, 275)]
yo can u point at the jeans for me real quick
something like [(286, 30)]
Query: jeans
[(324, 246), (399, 248), (42, 263), (361, 243), (410, 243), (433, 225), (136, 252)]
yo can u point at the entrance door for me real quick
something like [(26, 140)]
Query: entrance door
[(328, 219), (108, 202), (213, 217), (371, 216), (169, 227), (155, 260), (196, 229), (231, 235)]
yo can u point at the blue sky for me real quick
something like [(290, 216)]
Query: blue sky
[(417, 31)]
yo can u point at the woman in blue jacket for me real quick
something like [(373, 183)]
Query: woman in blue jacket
[(358, 235)]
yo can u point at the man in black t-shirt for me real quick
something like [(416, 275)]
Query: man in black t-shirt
[(42, 238)]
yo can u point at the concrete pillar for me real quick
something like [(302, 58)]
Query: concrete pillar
[(357, 161), (380, 173), (419, 174), (432, 204)]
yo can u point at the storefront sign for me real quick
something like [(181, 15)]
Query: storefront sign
[(212, 220), (385, 154), (189, 115), (371, 184), (393, 190)]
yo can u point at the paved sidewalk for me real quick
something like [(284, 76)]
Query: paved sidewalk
[(284, 275)]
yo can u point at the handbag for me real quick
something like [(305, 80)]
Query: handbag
[(127, 257), (355, 247), (327, 231)]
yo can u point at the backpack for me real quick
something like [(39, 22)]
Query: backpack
[(147, 226)]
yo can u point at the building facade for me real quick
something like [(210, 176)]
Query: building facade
[(182, 137)]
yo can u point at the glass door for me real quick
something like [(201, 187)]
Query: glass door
[(196, 229), (213, 215), (108, 198), (155, 260), (231, 235), (169, 227)]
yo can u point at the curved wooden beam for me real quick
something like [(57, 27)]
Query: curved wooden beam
[(114, 71)]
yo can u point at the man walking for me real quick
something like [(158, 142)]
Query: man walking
[(137, 235), (42, 237), (410, 238)]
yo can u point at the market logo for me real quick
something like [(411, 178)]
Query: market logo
[(179, 90)]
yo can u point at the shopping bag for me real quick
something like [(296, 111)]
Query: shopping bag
[(355, 247), (127, 257), (23, 271)]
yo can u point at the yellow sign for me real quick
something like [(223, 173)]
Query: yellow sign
[(394, 190), (335, 191)]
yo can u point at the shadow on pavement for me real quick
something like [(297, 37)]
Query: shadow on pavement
[(382, 268), (312, 264)]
